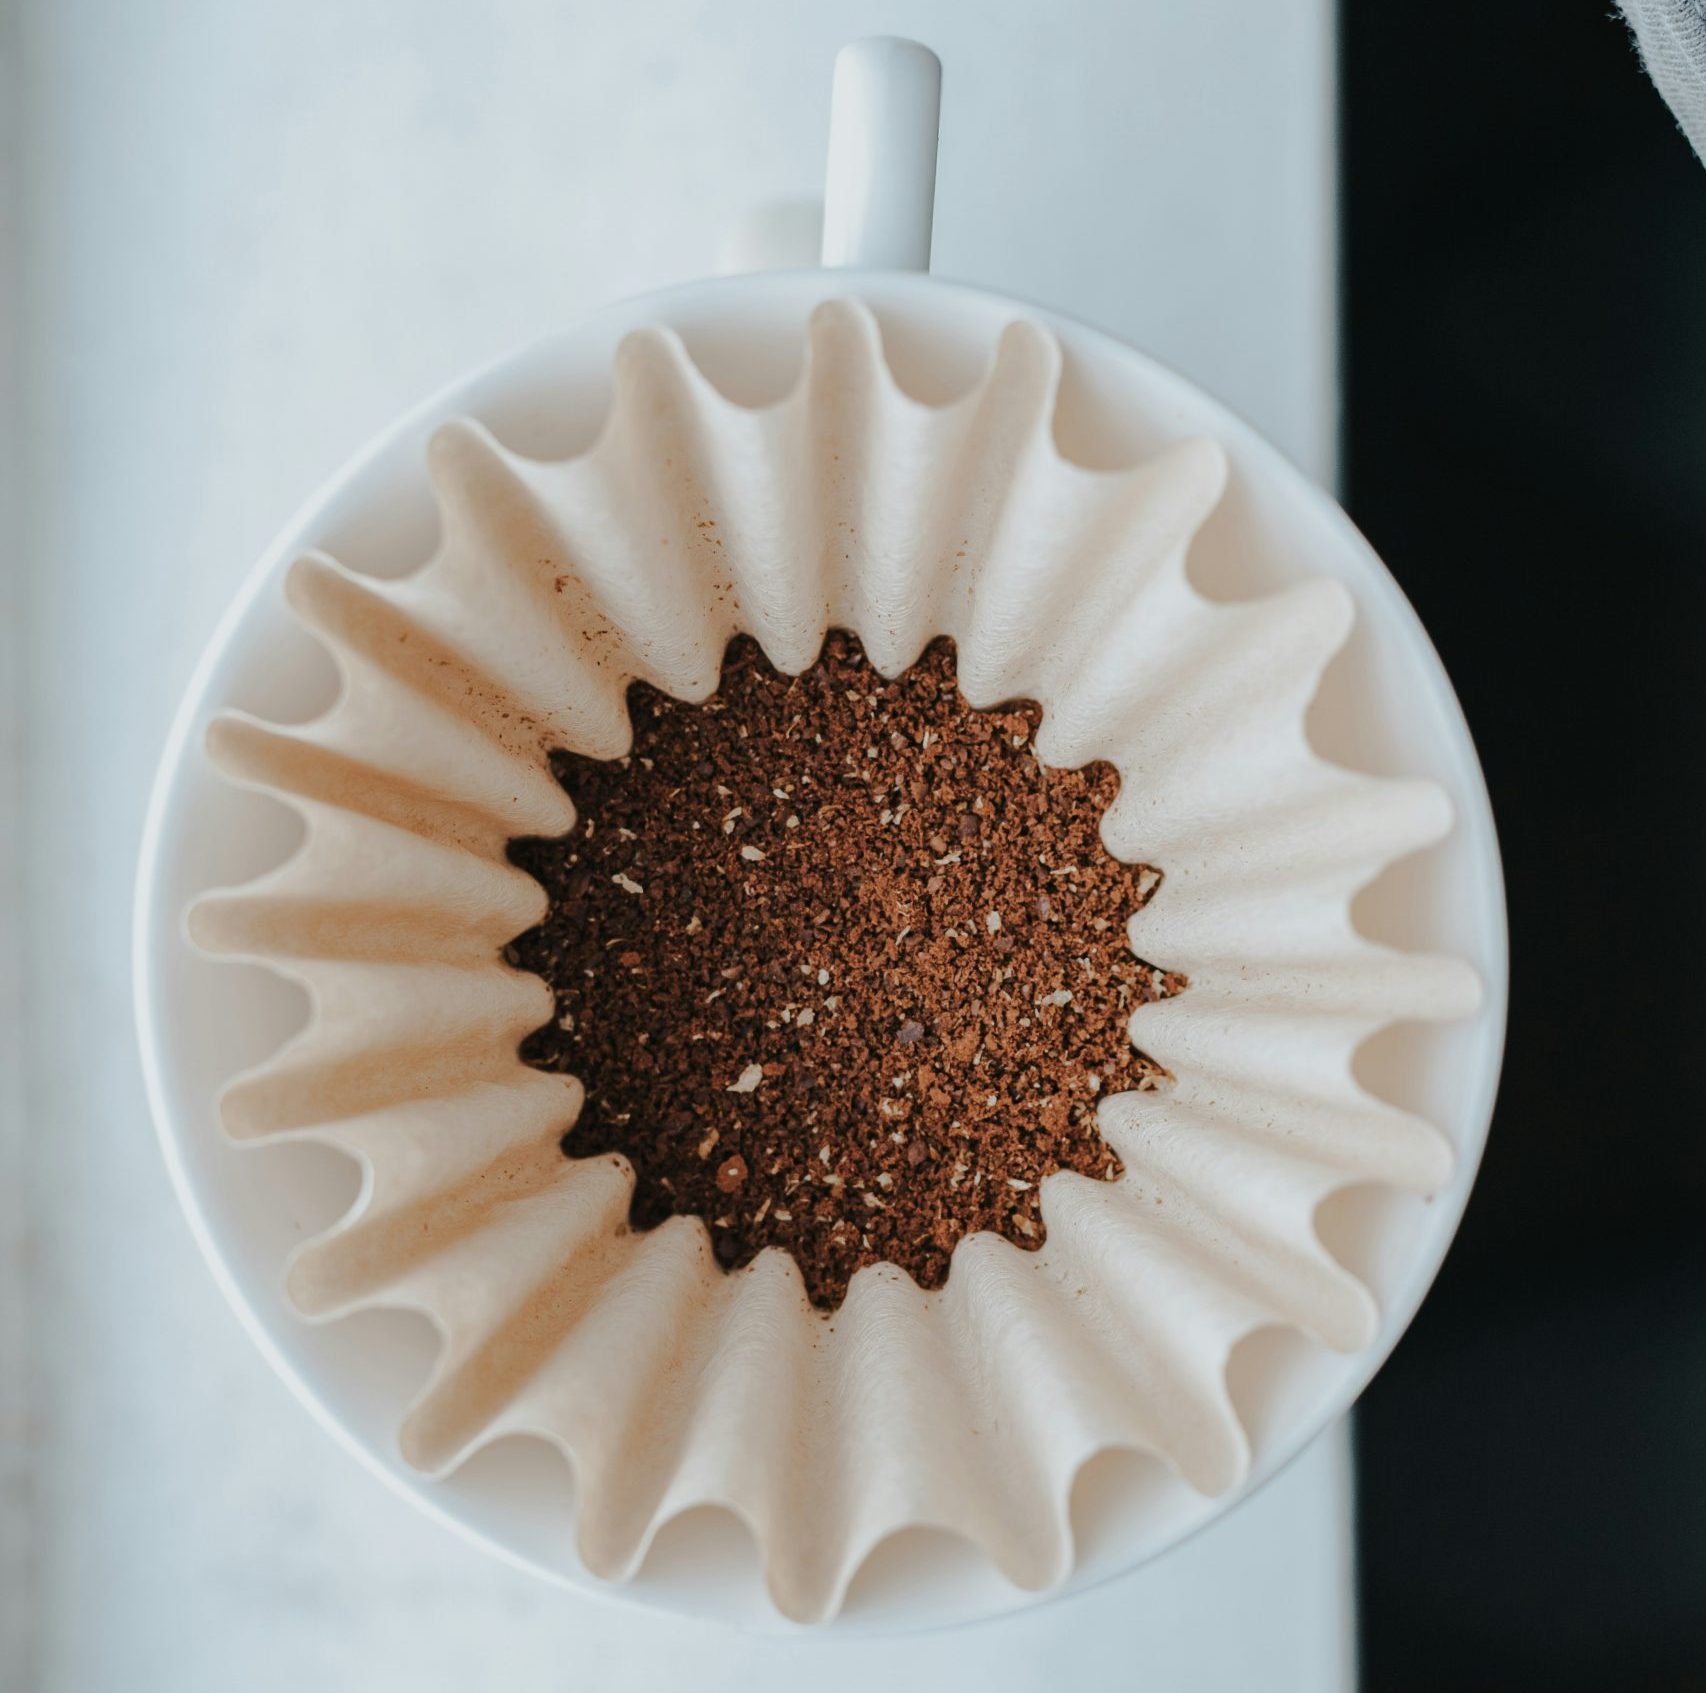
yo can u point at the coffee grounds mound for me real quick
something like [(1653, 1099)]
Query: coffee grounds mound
[(842, 966)]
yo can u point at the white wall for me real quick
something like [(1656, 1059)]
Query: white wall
[(255, 230)]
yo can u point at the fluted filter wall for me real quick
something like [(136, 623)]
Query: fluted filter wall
[(666, 1383)]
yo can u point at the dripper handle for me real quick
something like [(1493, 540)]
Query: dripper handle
[(880, 188)]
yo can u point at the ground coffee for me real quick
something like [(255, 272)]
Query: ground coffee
[(842, 966)]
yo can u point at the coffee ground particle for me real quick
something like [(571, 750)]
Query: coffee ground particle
[(842, 966)]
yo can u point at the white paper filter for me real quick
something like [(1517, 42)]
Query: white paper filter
[(665, 1383)]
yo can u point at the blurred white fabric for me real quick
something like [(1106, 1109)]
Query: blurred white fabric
[(1672, 38)]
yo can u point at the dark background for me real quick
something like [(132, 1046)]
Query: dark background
[(1525, 296)]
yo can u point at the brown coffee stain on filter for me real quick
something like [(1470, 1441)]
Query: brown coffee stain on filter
[(843, 967)]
